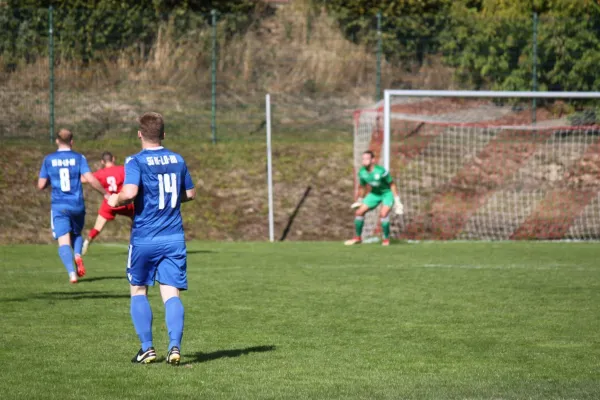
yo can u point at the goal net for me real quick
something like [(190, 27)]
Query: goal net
[(487, 165)]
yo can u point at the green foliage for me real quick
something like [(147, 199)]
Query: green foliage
[(487, 51), (88, 30), (23, 35), (491, 44), (488, 42), (410, 28), (569, 52)]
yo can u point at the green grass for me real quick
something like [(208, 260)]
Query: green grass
[(313, 320)]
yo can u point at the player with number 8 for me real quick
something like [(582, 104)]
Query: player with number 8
[(64, 170)]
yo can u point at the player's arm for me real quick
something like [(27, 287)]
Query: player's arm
[(91, 179), (87, 174), (189, 192), (131, 184), (394, 189), (359, 197), (362, 190), (398, 206), (188, 195), (42, 182), (125, 196)]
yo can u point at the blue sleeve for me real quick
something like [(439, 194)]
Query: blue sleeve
[(188, 182), (85, 168), (43, 171), (132, 172)]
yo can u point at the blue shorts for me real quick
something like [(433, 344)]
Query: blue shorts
[(65, 221), (165, 263)]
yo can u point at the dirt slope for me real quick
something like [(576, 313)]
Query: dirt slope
[(231, 179)]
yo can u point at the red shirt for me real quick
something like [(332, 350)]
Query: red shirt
[(111, 178)]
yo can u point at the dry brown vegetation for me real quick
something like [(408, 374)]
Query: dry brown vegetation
[(280, 53), (232, 193), (316, 73)]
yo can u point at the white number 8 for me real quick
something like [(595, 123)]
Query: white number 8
[(112, 184), (65, 179), (167, 183)]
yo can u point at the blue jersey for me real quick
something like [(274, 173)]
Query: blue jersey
[(64, 169), (162, 178)]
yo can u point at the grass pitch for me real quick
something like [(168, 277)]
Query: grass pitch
[(313, 320)]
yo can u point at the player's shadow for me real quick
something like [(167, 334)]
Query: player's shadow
[(102, 278), (200, 251), (82, 295), (201, 357), (56, 296)]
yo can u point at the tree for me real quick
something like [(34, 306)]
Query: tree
[(411, 28), (490, 43), (86, 30)]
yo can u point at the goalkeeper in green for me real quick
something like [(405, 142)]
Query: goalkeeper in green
[(383, 191)]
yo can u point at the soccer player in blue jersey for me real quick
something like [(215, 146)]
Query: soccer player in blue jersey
[(63, 170), (157, 181)]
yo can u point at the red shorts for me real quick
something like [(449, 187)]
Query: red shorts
[(110, 213)]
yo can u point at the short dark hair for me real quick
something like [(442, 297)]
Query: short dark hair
[(64, 136), (107, 156), (369, 152), (152, 126)]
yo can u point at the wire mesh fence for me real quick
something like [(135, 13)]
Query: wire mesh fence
[(208, 72)]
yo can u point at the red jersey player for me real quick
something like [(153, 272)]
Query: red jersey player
[(111, 176)]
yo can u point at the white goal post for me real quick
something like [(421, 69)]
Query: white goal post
[(487, 165)]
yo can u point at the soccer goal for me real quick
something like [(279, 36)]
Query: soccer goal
[(483, 165)]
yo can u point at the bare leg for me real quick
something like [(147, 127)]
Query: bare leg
[(98, 226), (100, 222)]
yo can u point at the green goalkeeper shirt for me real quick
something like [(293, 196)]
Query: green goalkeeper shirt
[(379, 179)]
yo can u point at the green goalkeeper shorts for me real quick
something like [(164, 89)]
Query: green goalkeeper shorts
[(373, 200)]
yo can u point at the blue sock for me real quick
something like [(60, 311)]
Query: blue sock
[(67, 257), (174, 318), (77, 244), (141, 315)]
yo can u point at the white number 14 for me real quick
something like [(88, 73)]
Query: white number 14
[(167, 183)]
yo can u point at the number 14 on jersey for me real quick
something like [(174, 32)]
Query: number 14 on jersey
[(167, 183)]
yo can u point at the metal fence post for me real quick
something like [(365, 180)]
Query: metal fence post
[(379, 51), (534, 68), (213, 121), (51, 66)]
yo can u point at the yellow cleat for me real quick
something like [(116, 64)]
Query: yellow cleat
[(145, 357), (174, 356)]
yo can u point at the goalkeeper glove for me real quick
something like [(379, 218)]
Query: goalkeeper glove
[(357, 203), (398, 207)]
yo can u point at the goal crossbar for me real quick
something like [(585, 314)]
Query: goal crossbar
[(388, 93), (492, 93)]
